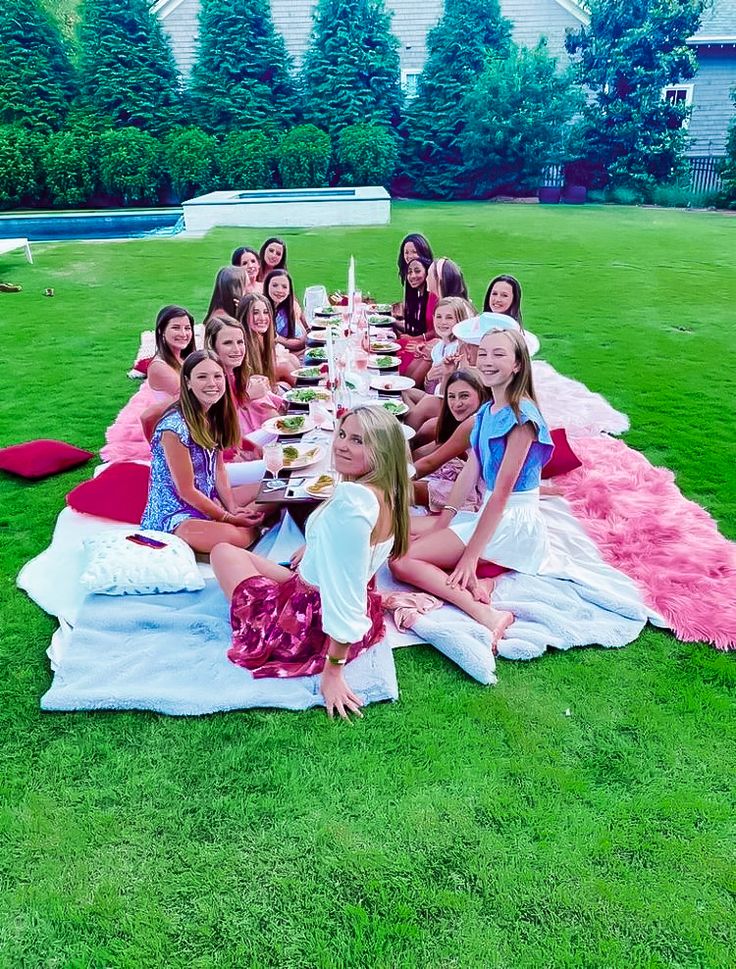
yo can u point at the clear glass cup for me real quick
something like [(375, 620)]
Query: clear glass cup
[(273, 457)]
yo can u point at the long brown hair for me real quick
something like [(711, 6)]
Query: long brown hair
[(447, 424), (386, 444), (450, 279), (219, 426), (288, 305), (522, 383), (163, 350), (231, 284), (514, 311), (260, 352), (215, 325)]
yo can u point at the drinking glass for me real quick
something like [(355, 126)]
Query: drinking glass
[(273, 457)]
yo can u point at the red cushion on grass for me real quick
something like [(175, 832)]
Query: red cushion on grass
[(39, 459), (563, 459), (142, 365), (120, 492)]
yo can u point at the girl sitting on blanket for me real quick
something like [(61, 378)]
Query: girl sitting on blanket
[(256, 315), (321, 613), (251, 390), (441, 358), (510, 443), (504, 296), (250, 261), (189, 493), (272, 256), (278, 289), (439, 463), (174, 336), (231, 285)]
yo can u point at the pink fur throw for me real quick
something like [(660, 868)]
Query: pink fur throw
[(669, 546)]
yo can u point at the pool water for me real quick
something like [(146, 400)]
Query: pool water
[(114, 224)]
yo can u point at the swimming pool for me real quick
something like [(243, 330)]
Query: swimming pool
[(110, 224)]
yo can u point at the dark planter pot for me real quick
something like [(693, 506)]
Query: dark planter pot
[(574, 194), (549, 195)]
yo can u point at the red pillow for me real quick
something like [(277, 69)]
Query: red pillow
[(142, 365), (563, 459), (39, 459), (120, 492), (489, 570)]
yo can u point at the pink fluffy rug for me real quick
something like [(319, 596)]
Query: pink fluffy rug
[(668, 545)]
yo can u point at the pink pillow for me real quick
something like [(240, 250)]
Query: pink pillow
[(142, 365), (40, 459), (489, 570), (120, 492), (563, 459)]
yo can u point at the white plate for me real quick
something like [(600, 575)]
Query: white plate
[(299, 374), (389, 348), (374, 358), (409, 434), (404, 408), (327, 493), (378, 331), (319, 336), (376, 319), (316, 353), (308, 454), (412, 471), (392, 382), (328, 311), (271, 425), (290, 395)]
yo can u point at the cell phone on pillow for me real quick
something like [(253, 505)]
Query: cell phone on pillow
[(145, 541)]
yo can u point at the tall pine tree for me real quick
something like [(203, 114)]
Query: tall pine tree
[(457, 48), (36, 78), (242, 76), (127, 70), (351, 68), (626, 56)]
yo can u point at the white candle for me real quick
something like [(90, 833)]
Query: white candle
[(330, 358), (351, 284)]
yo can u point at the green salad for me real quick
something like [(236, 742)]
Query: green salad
[(303, 395), (394, 408), (385, 362), (317, 353), (289, 423), (309, 372)]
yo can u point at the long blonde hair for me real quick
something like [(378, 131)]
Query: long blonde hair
[(389, 454), (217, 428), (522, 383), (260, 355)]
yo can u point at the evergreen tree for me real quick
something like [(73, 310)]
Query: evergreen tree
[(126, 66), (36, 78), (626, 56), (351, 68), (519, 115), (457, 48), (728, 169), (242, 76)]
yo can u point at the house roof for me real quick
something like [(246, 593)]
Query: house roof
[(717, 25)]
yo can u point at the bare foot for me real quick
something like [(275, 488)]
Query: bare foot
[(483, 590), (497, 622)]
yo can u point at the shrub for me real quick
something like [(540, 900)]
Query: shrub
[(190, 161), (130, 164), (19, 163), (303, 157), (245, 161), (69, 166), (366, 155)]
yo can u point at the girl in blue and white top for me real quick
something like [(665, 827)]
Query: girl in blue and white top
[(510, 443), (278, 289)]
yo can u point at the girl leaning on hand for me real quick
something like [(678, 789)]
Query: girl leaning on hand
[(320, 614)]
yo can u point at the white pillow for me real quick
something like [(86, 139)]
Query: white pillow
[(116, 566)]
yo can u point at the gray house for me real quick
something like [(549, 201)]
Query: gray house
[(531, 19)]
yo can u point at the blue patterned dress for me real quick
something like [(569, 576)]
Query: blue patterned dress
[(165, 510)]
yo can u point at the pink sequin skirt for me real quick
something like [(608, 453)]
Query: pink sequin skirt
[(277, 627)]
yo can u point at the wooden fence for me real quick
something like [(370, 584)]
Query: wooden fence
[(704, 177)]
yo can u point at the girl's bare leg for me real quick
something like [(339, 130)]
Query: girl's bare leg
[(418, 370), (202, 535), (232, 565), (426, 433), (427, 406), (424, 565)]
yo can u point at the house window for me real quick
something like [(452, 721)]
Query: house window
[(409, 83), (679, 94)]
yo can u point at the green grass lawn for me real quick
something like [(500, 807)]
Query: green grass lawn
[(461, 826)]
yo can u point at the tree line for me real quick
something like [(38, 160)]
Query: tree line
[(109, 118)]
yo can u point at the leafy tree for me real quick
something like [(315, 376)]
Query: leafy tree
[(69, 166), (245, 160), (366, 155), (728, 171), (241, 79), (351, 67), (303, 157), (190, 161), (19, 164), (36, 79), (130, 164), (518, 120), (457, 47), (625, 57), (126, 66)]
